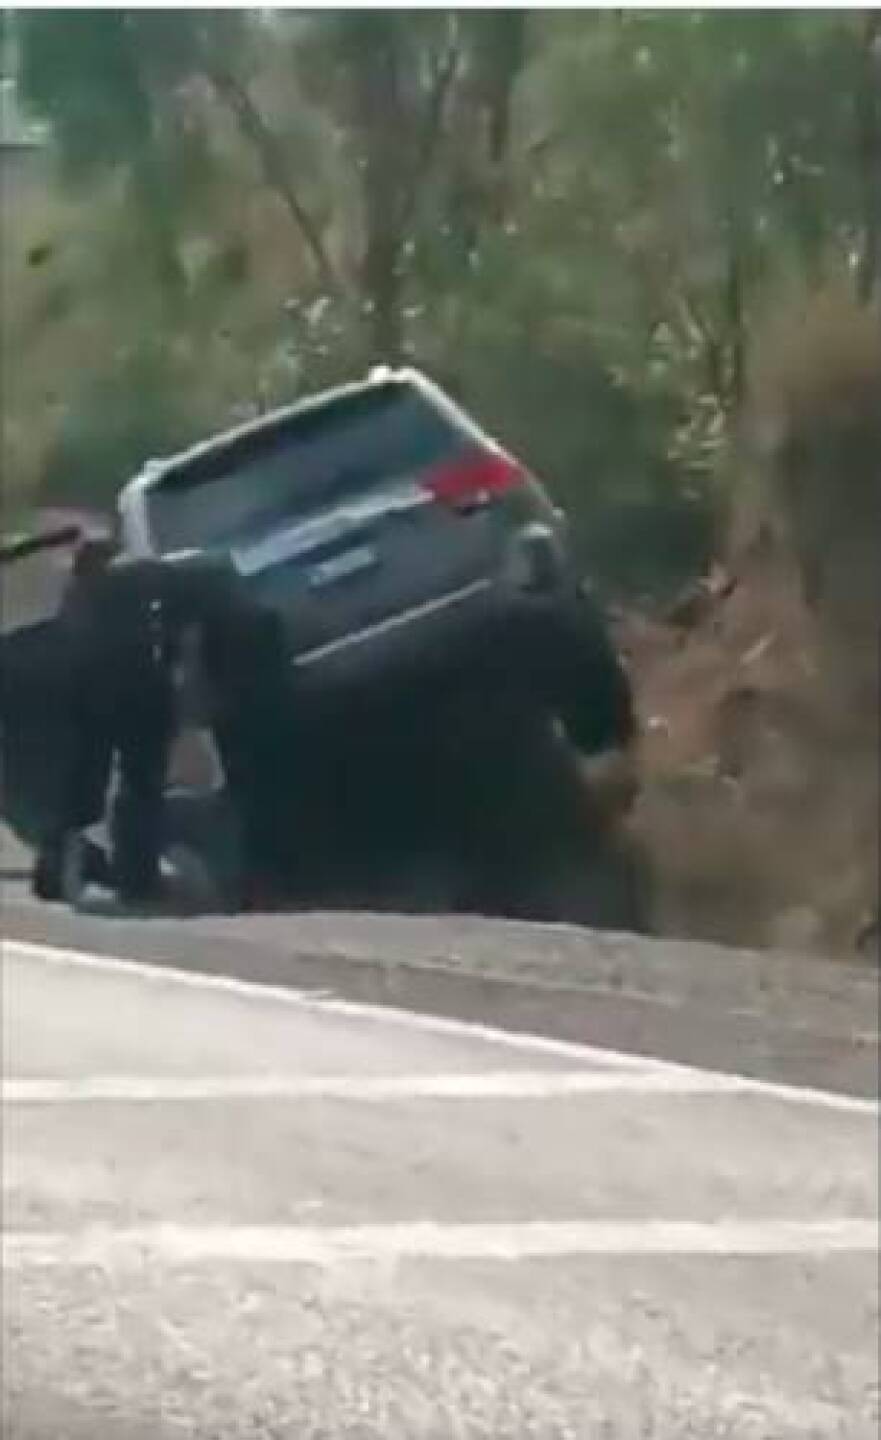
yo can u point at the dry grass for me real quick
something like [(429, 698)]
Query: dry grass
[(761, 756), (817, 416), (759, 805)]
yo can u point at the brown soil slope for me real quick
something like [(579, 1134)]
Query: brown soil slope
[(760, 797)]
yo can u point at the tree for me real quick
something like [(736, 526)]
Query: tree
[(384, 80), (868, 142), (101, 78), (576, 219)]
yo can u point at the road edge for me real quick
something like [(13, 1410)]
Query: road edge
[(729, 1011)]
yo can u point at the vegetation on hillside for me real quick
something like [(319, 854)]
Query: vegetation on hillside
[(576, 220), (761, 704)]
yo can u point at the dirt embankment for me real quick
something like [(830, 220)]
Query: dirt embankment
[(760, 788), (759, 691)]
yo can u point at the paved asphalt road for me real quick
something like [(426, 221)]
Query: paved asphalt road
[(234, 1212)]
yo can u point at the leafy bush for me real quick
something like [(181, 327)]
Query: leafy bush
[(113, 423)]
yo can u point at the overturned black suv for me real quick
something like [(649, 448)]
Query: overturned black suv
[(447, 668), (378, 520)]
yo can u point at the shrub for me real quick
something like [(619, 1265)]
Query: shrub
[(112, 424)]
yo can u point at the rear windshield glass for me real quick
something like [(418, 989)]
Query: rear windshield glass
[(343, 451)]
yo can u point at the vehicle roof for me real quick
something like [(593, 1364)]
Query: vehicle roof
[(383, 379)]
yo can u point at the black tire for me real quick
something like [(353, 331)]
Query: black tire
[(536, 847), (577, 674), (46, 876), (608, 889)]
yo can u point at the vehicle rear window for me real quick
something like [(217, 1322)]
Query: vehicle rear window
[(351, 447)]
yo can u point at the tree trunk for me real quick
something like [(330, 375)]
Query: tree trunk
[(507, 57), (501, 54), (381, 282), (736, 323), (160, 236), (275, 169), (375, 70), (868, 105)]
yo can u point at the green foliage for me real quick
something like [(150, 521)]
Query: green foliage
[(112, 423), (576, 219)]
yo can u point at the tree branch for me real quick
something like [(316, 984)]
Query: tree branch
[(275, 169), (430, 130), (868, 148), (712, 349)]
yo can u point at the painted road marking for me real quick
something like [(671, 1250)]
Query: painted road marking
[(491, 1085), (429, 1024), (295, 1245)]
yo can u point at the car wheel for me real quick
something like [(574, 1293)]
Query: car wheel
[(583, 680), (607, 888)]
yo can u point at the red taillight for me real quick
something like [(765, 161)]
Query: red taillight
[(472, 477)]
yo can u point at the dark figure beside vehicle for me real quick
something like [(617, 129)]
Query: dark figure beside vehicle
[(128, 627)]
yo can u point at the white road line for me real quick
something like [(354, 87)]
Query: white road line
[(489, 1085), (429, 1024), (295, 1245)]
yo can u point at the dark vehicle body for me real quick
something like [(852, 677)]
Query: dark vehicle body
[(383, 526), (446, 665)]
